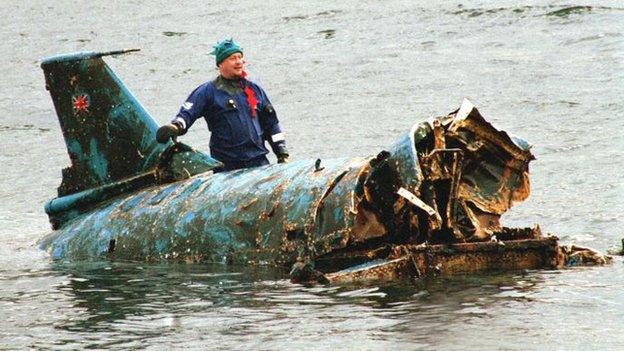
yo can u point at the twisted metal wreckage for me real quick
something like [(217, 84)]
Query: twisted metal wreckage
[(428, 205)]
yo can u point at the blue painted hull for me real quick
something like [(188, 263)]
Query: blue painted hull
[(263, 214)]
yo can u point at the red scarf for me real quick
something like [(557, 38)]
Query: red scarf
[(251, 95)]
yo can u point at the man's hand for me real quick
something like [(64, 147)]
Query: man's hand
[(167, 132), (282, 153)]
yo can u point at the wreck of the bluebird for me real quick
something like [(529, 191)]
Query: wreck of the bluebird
[(428, 204)]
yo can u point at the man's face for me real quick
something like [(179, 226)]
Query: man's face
[(232, 67)]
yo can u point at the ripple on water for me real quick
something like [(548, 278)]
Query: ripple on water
[(550, 73)]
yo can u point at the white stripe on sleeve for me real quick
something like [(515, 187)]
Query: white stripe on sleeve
[(278, 137), (181, 121)]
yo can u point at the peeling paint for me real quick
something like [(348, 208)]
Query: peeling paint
[(429, 204)]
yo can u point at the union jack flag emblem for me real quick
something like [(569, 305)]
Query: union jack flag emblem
[(81, 103)]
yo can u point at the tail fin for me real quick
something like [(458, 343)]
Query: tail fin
[(109, 135)]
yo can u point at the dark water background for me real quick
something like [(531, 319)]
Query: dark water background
[(346, 78)]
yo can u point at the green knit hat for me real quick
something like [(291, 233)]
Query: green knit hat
[(224, 49)]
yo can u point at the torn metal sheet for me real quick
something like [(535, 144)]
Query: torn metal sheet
[(432, 199)]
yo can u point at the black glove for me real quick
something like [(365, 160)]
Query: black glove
[(282, 153), (167, 132)]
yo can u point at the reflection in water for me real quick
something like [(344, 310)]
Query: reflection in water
[(543, 71), (131, 303), (112, 291)]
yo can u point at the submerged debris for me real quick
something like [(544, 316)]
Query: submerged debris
[(303, 272), (574, 255)]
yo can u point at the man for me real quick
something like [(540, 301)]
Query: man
[(239, 114)]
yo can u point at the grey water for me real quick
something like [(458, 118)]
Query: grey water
[(346, 78)]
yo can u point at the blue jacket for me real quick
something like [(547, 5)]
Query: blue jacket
[(236, 135)]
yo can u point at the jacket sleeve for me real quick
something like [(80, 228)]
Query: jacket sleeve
[(270, 125), (194, 107)]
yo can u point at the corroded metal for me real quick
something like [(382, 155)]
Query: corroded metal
[(417, 261), (430, 202)]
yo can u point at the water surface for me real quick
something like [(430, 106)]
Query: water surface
[(346, 78)]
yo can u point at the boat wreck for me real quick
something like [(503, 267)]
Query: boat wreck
[(430, 204)]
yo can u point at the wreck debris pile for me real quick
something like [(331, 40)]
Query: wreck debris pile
[(429, 204)]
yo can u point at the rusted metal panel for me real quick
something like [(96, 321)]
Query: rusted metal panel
[(417, 261), (486, 256), (429, 204), (402, 268)]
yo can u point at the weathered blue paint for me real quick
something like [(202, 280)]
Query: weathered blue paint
[(74, 148), (110, 136), (98, 162), (61, 205), (70, 57), (405, 157), (126, 196), (197, 209)]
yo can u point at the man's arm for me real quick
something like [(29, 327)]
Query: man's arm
[(272, 129), (273, 132), (191, 110)]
